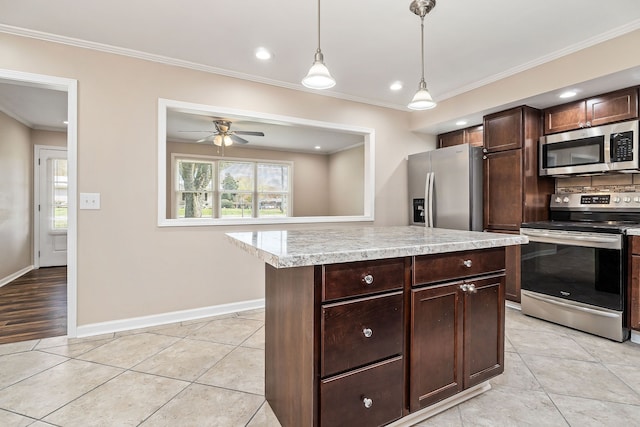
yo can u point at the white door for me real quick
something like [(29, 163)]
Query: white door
[(52, 207)]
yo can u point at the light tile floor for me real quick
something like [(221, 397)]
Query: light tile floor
[(211, 373)]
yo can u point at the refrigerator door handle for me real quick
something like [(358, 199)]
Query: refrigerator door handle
[(428, 200)]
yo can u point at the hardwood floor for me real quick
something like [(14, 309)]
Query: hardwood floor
[(34, 306)]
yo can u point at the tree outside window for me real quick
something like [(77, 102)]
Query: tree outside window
[(195, 186)]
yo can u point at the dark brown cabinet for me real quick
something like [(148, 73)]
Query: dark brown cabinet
[(504, 130), (366, 343), (458, 327), (513, 191), (633, 306), (472, 135), (503, 190), (607, 108)]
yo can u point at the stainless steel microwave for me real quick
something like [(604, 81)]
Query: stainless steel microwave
[(591, 150)]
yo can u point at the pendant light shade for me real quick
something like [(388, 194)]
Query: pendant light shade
[(422, 100), (318, 76)]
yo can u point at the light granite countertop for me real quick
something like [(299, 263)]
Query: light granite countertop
[(304, 247), (633, 231)]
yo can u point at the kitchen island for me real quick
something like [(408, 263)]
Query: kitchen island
[(377, 326)]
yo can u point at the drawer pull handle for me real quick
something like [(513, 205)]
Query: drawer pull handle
[(472, 288), (467, 263), (464, 288), (367, 332), (368, 403), (368, 279)]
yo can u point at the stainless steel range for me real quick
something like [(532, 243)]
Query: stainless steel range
[(574, 270)]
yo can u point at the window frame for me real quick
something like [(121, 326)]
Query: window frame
[(163, 169)]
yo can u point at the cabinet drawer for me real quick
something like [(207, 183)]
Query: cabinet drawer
[(358, 332), (362, 278), (371, 396), (456, 265)]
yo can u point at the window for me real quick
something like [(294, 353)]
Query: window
[(60, 200), (223, 188)]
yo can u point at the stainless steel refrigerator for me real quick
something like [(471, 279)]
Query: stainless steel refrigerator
[(445, 188)]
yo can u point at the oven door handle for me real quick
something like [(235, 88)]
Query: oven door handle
[(571, 306), (613, 242)]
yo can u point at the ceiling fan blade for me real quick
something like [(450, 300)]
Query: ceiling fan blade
[(238, 140), (248, 132)]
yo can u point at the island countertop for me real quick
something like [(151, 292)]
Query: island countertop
[(305, 247)]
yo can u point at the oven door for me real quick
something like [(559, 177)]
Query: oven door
[(575, 279), (577, 266)]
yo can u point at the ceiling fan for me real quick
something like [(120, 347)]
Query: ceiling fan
[(223, 135)]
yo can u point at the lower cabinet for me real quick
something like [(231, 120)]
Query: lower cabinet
[(368, 343), (457, 338)]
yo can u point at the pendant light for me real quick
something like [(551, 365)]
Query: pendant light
[(422, 100), (319, 76)]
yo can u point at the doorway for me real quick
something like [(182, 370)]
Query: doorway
[(18, 80)]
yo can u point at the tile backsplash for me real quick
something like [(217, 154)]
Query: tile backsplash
[(599, 183)]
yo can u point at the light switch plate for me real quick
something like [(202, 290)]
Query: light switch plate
[(89, 200)]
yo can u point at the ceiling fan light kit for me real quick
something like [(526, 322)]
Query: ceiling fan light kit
[(319, 76), (422, 100)]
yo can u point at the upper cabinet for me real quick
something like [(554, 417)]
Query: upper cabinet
[(503, 130), (608, 108), (471, 135)]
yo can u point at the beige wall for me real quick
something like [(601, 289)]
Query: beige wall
[(45, 137), (310, 173), (16, 181), (128, 266), (346, 175)]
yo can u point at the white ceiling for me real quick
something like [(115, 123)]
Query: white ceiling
[(367, 45)]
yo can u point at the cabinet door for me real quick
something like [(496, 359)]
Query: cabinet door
[(503, 190), (435, 371), (565, 117), (451, 138), (483, 330), (613, 107), (504, 130), (474, 136)]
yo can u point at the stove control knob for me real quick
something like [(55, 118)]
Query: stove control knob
[(627, 199), (636, 199), (558, 200), (565, 200), (616, 200)]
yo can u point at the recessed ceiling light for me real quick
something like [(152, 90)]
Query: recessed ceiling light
[(396, 86), (262, 53), (461, 123), (568, 94), (317, 147)]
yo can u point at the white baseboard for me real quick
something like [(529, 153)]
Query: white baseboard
[(10, 278), (512, 304), (635, 337), (165, 318)]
